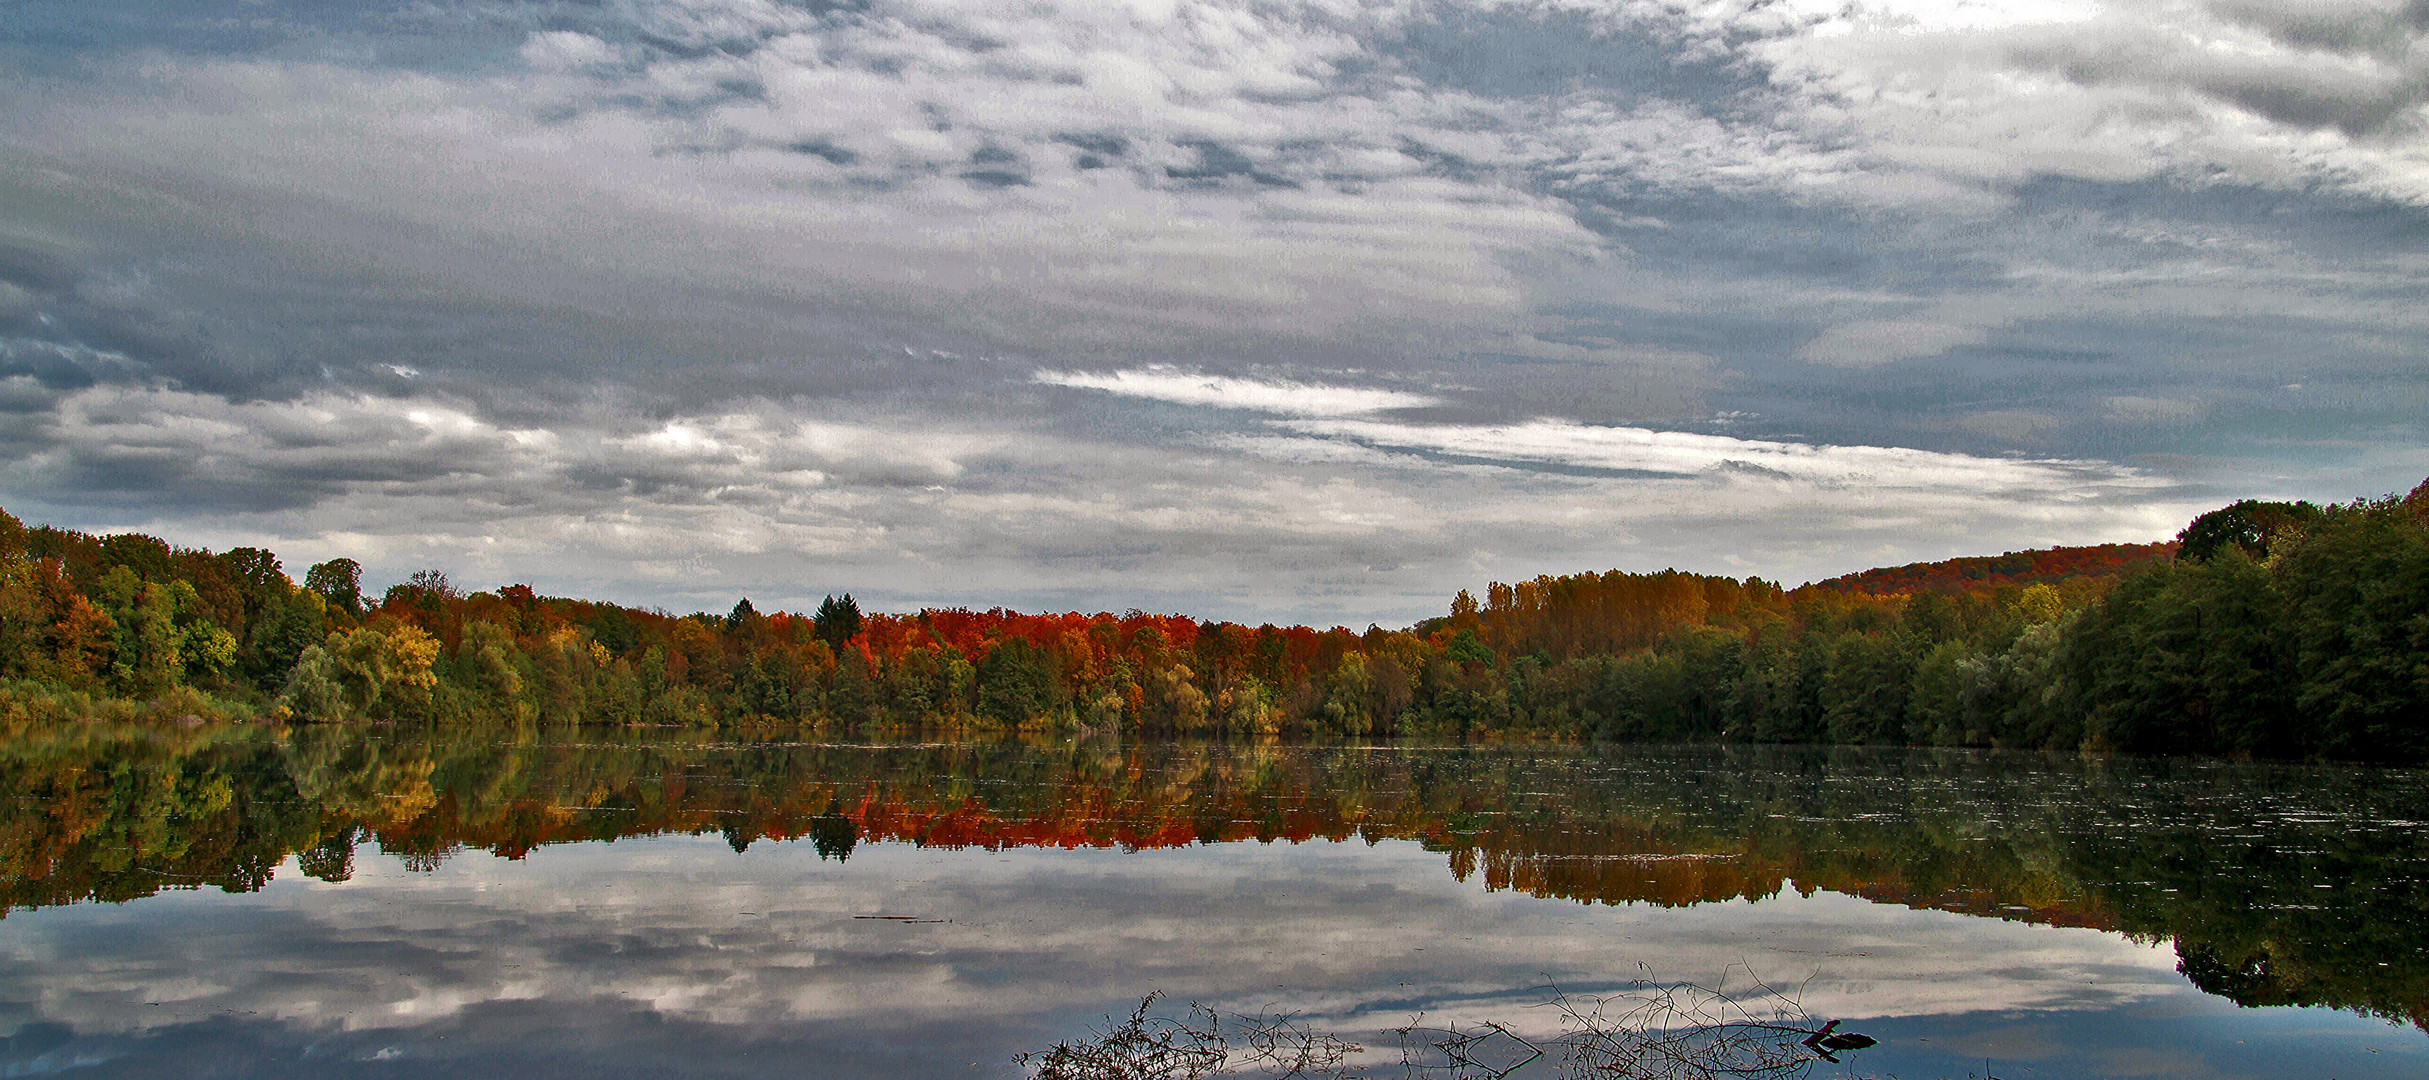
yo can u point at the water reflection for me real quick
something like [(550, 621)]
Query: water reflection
[(2017, 906)]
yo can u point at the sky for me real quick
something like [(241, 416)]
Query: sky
[(1258, 311)]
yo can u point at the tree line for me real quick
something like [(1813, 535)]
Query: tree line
[(2273, 629)]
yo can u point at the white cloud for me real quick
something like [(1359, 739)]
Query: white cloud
[(1688, 454), (320, 441), (566, 50), (2114, 89), (1164, 383), (1322, 512), (1256, 196)]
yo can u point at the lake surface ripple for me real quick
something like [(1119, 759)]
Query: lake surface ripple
[(341, 901)]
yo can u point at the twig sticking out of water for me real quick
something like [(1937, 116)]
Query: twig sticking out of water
[(1194, 1046), (1681, 1031), (1487, 1051), (1656, 1031)]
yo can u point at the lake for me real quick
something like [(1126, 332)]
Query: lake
[(341, 901)]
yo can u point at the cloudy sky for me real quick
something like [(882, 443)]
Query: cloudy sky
[(1258, 310)]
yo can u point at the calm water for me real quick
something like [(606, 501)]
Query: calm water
[(348, 902)]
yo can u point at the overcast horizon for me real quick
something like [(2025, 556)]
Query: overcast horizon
[(1262, 311)]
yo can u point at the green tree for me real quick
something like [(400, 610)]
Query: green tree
[(338, 581), (1936, 707), (2357, 585), (163, 638), (365, 673), (492, 674), (1863, 691), (1018, 681), (287, 625), (2251, 526), (837, 621), (2186, 657)]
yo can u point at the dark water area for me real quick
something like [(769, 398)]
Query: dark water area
[(349, 901)]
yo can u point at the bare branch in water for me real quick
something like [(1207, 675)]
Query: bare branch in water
[(1653, 1031), (1486, 1051), (1148, 1046)]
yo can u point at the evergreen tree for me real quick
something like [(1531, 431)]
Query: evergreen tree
[(837, 621)]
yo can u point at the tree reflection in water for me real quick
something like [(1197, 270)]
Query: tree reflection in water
[(2277, 884)]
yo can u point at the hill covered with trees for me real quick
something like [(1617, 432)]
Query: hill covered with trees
[(2098, 565), (2274, 629)]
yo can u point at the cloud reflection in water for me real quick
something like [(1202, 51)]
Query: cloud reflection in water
[(676, 955)]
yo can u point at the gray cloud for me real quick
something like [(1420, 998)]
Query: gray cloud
[(835, 245)]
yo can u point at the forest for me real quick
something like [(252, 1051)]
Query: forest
[(2287, 630)]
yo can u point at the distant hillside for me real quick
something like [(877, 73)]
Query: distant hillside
[(2278, 629), (1981, 572)]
